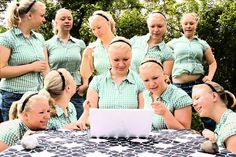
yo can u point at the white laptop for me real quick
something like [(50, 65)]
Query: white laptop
[(120, 122)]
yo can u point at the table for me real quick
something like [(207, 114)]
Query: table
[(163, 143)]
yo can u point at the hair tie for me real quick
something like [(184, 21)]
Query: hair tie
[(212, 88), (17, 4), (159, 12)]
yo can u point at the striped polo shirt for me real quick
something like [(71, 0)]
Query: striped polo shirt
[(100, 58), (173, 98), (23, 51), (12, 131), (141, 50), (66, 55), (189, 55), (111, 95), (60, 119), (226, 127)]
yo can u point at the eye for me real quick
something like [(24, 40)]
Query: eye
[(155, 78), (116, 60)]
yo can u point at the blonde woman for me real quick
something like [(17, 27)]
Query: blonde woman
[(65, 51), (95, 56), (172, 105), (61, 87), (118, 87), (22, 50), (32, 113), (211, 100), (152, 44)]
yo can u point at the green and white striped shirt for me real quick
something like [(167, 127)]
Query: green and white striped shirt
[(12, 131), (173, 98), (111, 95), (60, 120), (23, 51), (141, 50), (100, 58), (66, 55)]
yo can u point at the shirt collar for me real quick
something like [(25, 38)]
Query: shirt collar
[(194, 38), (128, 78), (17, 31), (70, 38), (148, 36), (60, 111)]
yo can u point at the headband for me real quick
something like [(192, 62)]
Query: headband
[(158, 12), (212, 88), (26, 100), (63, 80), (30, 6), (120, 40), (102, 16), (152, 61)]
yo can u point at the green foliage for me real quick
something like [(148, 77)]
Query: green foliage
[(131, 23), (2, 29)]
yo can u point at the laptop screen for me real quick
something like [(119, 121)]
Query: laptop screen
[(120, 122)]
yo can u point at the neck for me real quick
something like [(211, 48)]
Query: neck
[(118, 77), (63, 102), (218, 112), (64, 36), (25, 29), (154, 41), (106, 40)]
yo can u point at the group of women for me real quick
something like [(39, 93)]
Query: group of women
[(120, 67)]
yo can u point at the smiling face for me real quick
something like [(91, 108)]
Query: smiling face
[(64, 20), (153, 77), (203, 100), (38, 113), (120, 57), (156, 26), (189, 25)]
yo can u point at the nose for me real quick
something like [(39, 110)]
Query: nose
[(47, 116), (194, 103)]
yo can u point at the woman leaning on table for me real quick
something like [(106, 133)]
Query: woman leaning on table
[(33, 114), (172, 105), (65, 51), (152, 44), (190, 55), (23, 60), (95, 56), (211, 100), (118, 87)]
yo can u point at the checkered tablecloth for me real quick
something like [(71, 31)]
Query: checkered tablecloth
[(162, 143)]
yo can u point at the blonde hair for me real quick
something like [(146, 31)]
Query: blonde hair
[(194, 15), (108, 16), (54, 26), (53, 83), (156, 13), (17, 10), (16, 107), (226, 96)]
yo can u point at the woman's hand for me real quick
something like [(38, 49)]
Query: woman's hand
[(209, 135), (159, 108), (81, 89)]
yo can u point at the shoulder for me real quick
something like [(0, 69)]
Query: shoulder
[(39, 36), (78, 41), (178, 96)]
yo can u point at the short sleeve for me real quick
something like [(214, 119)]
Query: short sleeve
[(5, 40), (133, 39), (94, 83), (181, 99), (204, 44)]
